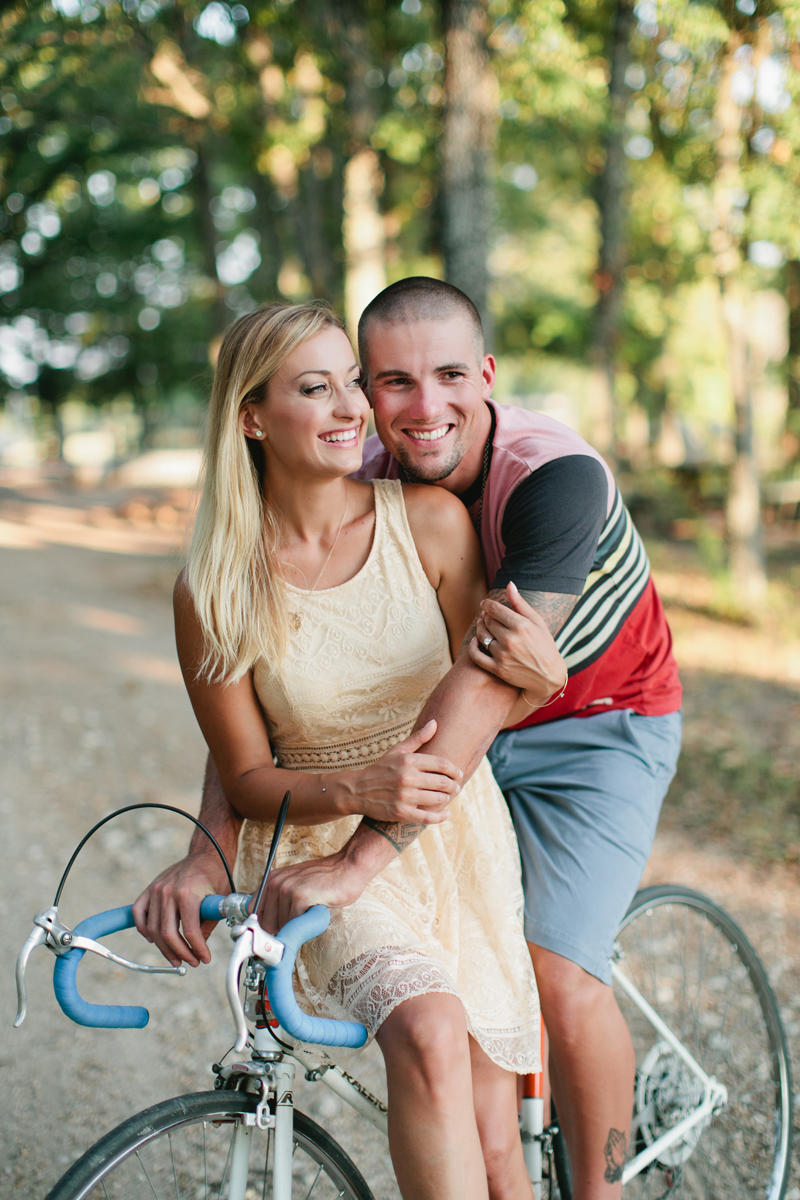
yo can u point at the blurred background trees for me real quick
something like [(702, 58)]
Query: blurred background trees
[(615, 185)]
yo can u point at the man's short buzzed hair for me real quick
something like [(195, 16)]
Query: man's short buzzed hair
[(417, 298)]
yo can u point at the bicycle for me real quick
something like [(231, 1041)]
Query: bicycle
[(695, 994)]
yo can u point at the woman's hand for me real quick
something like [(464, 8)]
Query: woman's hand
[(403, 785), (522, 650)]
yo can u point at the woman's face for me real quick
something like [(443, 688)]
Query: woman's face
[(314, 416)]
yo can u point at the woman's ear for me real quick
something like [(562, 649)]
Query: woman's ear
[(251, 422)]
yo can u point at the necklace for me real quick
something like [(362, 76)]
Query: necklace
[(296, 618), (487, 453), (484, 476)]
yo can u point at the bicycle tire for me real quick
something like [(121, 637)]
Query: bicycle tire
[(145, 1151), (699, 971)]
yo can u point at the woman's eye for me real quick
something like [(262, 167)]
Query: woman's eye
[(316, 390)]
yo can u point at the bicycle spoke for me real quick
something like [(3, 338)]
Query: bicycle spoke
[(147, 1177), (174, 1173), (314, 1184)]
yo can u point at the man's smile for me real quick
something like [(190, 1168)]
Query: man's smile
[(428, 435)]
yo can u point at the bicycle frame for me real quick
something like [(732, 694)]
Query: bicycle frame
[(537, 1140), (715, 1095)]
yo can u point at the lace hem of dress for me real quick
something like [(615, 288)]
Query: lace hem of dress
[(370, 987), (364, 750)]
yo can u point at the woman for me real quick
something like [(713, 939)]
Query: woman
[(315, 615)]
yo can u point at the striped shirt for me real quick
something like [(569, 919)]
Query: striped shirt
[(553, 520)]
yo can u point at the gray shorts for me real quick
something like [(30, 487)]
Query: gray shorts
[(585, 794)]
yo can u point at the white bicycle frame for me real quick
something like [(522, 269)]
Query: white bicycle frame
[(534, 1136), (715, 1096)]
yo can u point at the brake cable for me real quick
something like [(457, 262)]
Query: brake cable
[(132, 808)]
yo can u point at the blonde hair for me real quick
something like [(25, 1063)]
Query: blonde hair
[(232, 570)]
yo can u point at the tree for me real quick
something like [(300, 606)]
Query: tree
[(466, 147), (612, 205)]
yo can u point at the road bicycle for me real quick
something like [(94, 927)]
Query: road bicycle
[(713, 1094)]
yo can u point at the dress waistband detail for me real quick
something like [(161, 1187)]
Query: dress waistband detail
[(362, 751)]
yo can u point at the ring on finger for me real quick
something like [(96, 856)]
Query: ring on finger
[(487, 641)]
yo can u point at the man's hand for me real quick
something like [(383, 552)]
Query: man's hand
[(168, 910), (522, 651), (335, 881), (404, 785)]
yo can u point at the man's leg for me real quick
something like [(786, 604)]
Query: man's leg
[(585, 794), (591, 1072)]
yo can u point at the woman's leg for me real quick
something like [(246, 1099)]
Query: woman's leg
[(495, 1099), (433, 1135)]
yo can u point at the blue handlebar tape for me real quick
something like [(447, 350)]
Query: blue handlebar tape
[(318, 1030), (98, 1016), (211, 908)]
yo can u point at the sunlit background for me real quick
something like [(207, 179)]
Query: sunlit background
[(616, 185)]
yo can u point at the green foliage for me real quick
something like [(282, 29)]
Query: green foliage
[(166, 166)]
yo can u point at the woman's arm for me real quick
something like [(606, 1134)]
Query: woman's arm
[(450, 554), (232, 723)]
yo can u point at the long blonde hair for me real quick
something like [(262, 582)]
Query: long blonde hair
[(232, 568)]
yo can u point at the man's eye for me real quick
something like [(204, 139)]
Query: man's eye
[(454, 375)]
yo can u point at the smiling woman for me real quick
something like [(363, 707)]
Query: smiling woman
[(316, 616)]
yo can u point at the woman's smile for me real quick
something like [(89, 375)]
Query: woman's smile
[(341, 437)]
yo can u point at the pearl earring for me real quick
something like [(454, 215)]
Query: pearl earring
[(259, 433)]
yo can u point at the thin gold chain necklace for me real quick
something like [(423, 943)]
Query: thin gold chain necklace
[(296, 618)]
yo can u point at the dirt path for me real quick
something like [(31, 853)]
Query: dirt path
[(94, 716)]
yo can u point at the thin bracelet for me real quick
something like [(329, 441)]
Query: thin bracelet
[(552, 699)]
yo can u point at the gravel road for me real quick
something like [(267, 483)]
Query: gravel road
[(94, 716)]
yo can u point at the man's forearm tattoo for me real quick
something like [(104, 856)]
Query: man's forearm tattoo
[(552, 607), (399, 835), (615, 1150)]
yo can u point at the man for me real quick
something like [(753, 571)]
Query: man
[(585, 774)]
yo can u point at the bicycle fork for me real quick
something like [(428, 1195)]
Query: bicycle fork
[(281, 1129)]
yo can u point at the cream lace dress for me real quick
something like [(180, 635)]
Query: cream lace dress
[(446, 915)]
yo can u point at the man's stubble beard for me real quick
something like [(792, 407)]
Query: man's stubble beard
[(437, 471)]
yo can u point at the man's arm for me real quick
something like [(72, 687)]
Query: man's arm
[(470, 706), (523, 656), (171, 903)]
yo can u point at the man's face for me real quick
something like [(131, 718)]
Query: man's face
[(427, 382)]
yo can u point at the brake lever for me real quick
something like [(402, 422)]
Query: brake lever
[(61, 940), (251, 942), (35, 938)]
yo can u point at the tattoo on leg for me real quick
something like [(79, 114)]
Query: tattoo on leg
[(399, 835), (615, 1151)]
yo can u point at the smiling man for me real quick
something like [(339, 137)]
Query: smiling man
[(584, 772), (585, 775)]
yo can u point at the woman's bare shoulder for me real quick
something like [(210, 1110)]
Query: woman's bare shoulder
[(435, 506)]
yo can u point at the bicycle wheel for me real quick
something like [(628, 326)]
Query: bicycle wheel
[(697, 969), (180, 1150)]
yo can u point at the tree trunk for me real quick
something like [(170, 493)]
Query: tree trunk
[(466, 148), (203, 195), (316, 250), (743, 507), (612, 204), (363, 230), (793, 359)]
